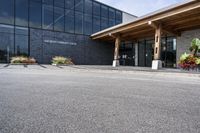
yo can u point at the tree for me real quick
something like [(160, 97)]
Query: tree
[(195, 46)]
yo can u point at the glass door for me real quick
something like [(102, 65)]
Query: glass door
[(168, 52), (127, 54)]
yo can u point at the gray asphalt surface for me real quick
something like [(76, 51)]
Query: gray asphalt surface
[(48, 99)]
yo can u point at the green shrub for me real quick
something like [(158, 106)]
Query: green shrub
[(195, 46), (184, 56), (198, 61), (22, 60), (59, 60)]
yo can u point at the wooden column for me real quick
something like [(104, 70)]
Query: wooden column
[(116, 52), (157, 47)]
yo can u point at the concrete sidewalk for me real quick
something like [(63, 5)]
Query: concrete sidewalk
[(107, 68)]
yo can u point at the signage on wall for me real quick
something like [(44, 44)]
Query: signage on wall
[(60, 42)]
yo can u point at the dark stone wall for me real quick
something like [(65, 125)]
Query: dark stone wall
[(46, 44)]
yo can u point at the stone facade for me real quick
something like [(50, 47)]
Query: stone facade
[(184, 42), (46, 44)]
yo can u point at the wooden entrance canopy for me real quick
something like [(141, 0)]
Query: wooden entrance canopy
[(174, 20)]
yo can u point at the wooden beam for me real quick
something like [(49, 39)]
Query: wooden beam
[(167, 30), (134, 33), (116, 51), (179, 20), (117, 45), (157, 48)]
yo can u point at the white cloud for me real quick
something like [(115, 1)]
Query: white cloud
[(139, 7)]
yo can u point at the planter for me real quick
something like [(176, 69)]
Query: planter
[(198, 69), (23, 64), (61, 64), (195, 70)]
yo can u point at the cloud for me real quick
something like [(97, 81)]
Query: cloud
[(139, 7)]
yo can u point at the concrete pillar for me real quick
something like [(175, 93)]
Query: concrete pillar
[(116, 52), (157, 63), (136, 54)]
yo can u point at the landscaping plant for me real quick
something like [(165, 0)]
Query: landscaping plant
[(188, 62), (195, 46), (22, 60), (59, 60), (191, 61)]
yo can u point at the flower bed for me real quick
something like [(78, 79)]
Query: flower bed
[(22, 60), (59, 60), (191, 61)]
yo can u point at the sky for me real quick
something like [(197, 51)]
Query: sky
[(139, 7)]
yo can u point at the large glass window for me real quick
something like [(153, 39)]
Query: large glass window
[(104, 11), (7, 11), (118, 17), (79, 5), (59, 19), (78, 23), (35, 14), (69, 4), (96, 24), (6, 42), (111, 13), (111, 22), (21, 13), (88, 7), (48, 2), (47, 17), (59, 3), (87, 24), (104, 23), (96, 8), (69, 21), (21, 41)]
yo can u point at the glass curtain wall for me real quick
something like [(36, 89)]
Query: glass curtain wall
[(71, 16)]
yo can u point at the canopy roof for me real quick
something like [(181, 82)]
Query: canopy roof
[(174, 20)]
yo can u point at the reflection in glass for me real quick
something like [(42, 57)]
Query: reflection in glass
[(21, 13), (87, 24), (88, 7), (35, 14), (104, 11), (96, 24), (21, 45), (79, 5), (69, 21), (104, 23), (6, 47), (59, 19), (7, 11), (47, 17), (78, 23), (96, 9), (69, 4), (59, 3)]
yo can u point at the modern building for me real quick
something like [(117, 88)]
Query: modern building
[(156, 39), (92, 33), (46, 28)]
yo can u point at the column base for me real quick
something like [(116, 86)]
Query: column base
[(115, 63), (156, 64)]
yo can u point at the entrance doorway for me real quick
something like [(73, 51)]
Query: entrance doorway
[(127, 54), (168, 52), (145, 53)]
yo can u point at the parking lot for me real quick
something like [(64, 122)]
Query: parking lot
[(78, 99)]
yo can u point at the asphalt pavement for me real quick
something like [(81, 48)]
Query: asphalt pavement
[(50, 99)]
